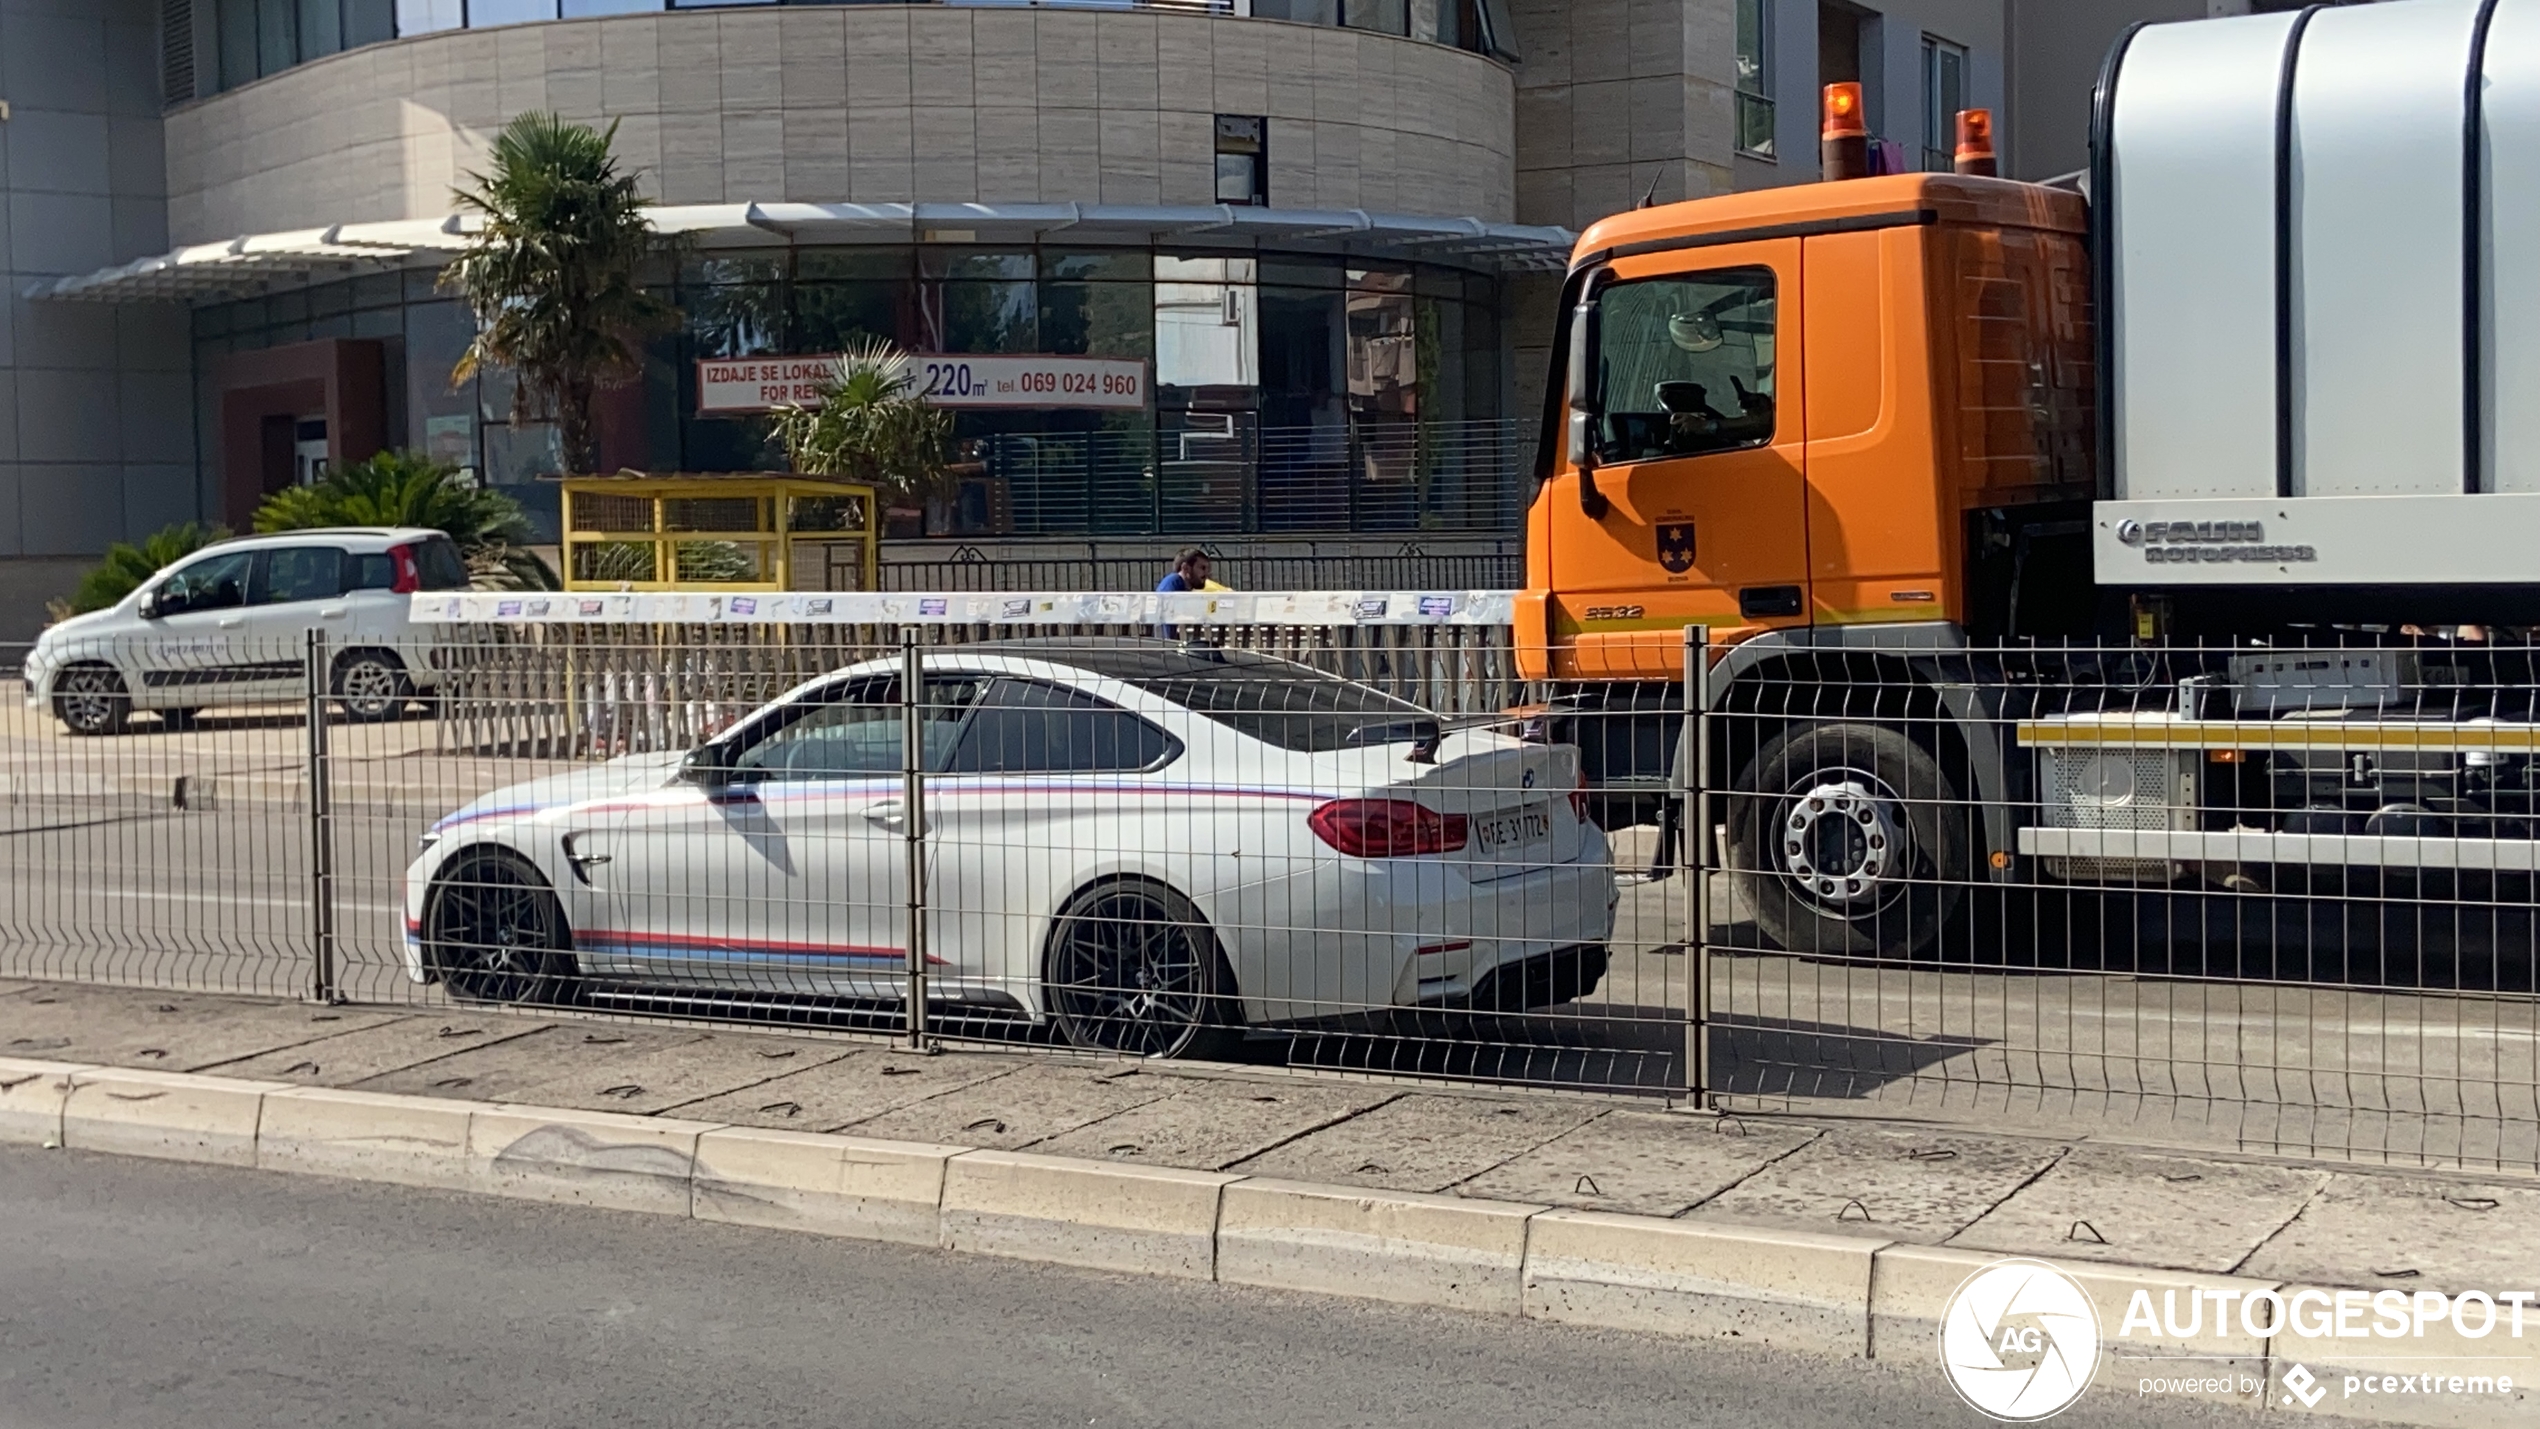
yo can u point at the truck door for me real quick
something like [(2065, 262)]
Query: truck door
[(1698, 458)]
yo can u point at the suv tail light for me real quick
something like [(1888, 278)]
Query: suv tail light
[(1386, 828), (1579, 799), (405, 578)]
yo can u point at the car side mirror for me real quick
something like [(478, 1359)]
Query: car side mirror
[(1581, 380), (150, 605), (708, 766)]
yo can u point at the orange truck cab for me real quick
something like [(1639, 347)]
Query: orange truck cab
[(2023, 518), (1801, 416)]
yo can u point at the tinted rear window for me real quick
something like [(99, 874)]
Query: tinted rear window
[(1276, 701), (438, 566)]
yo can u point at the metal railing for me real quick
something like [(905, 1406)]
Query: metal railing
[(2279, 898), (1206, 475)]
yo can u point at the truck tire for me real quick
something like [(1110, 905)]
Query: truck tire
[(1848, 840)]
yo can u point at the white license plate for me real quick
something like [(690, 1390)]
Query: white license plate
[(1512, 830)]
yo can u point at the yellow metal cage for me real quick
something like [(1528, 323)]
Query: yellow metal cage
[(712, 530)]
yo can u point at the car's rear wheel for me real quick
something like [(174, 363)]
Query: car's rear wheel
[(372, 686), (495, 932), (1133, 968), (91, 699)]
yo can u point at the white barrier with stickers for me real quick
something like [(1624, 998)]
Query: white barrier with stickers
[(1317, 607)]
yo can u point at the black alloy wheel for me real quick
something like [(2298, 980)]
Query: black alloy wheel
[(495, 932), (1133, 969)]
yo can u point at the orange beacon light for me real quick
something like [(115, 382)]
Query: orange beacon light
[(1843, 142), (1975, 143)]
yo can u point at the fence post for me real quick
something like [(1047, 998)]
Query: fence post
[(321, 830), (913, 825), (1694, 839)]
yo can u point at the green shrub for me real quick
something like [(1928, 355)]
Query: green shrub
[(126, 566)]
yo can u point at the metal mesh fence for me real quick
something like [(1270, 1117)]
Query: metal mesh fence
[(2273, 897), (2280, 899)]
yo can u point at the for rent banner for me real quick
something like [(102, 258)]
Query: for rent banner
[(755, 384)]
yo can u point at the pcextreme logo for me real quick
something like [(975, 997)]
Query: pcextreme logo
[(2019, 1341)]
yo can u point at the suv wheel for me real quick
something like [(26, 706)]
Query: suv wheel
[(371, 686), (91, 699)]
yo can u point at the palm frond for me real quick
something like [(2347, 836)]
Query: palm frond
[(126, 566)]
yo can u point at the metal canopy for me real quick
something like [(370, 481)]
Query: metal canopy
[(265, 262)]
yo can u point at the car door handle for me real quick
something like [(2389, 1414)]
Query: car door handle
[(232, 622), (891, 814), (335, 612)]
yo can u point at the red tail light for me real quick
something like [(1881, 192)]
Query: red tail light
[(1579, 799), (405, 577), (1386, 828)]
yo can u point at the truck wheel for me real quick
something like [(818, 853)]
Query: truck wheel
[(1847, 839)]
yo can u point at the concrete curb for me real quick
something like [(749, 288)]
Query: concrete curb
[(1812, 1293)]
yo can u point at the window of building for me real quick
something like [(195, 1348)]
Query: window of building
[(1685, 365), (1243, 159), (1755, 78), (1944, 94)]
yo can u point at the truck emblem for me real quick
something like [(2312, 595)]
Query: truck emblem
[(2130, 532), (1675, 548)]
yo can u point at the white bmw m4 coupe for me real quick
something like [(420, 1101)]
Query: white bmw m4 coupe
[(1154, 846)]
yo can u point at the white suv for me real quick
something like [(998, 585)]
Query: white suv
[(229, 625)]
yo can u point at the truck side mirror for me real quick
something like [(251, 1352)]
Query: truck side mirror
[(1581, 380)]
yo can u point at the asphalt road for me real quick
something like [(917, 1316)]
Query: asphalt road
[(144, 1294)]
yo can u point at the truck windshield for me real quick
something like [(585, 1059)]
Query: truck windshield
[(1684, 365)]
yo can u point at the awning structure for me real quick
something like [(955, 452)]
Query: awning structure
[(262, 262), (265, 262)]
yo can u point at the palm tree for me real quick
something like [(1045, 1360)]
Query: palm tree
[(411, 489), (870, 425), (126, 566), (553, 274)]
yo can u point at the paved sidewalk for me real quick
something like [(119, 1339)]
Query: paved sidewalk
[(2066, 1198)]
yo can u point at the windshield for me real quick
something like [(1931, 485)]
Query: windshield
[(1276, 701)]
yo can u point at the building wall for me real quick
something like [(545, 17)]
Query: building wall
[(96, 438), (1891, 45), (1621, 98), (2057, 49), (867, 104)]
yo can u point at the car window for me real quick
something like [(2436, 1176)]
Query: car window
[(438, 565), (853, 731), (293, 573), (1276, 701), (213, 583), (373, 570), (1026, 727)]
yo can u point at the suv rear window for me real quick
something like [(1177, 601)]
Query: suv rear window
[(1280, 702), (438, 565)]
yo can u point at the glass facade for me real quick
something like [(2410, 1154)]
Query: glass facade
[(1291, 392), (260, 37)]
